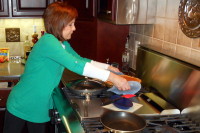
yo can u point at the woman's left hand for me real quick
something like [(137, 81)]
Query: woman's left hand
[(114, 69)]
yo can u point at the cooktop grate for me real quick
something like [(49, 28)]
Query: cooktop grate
[(155, 124)]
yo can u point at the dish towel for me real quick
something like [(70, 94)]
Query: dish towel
[(135, 87), (132, 109)]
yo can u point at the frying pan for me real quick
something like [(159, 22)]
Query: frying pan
[(87, 87), (122, 122)]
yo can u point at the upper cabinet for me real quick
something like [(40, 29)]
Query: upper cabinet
[(23, 8), (127, 11), (35, 8), (86, 8), (26, 8), (4, 8)]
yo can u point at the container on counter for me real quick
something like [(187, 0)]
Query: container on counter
[(27, 46)]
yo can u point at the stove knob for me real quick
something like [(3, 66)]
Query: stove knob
[(55, 118), (57, 121)]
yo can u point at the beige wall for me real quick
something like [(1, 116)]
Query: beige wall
[(165, 34), (26, 28)]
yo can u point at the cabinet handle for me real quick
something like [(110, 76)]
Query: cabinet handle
[(14, 9), (108, 12), (87, 4)]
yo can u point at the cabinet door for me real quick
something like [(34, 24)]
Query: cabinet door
[(86, 8), (29, 8), (4, 8)]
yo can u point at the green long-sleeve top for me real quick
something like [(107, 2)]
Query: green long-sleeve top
[(31, 98)]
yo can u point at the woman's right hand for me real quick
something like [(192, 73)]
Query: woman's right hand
[(118, 81)]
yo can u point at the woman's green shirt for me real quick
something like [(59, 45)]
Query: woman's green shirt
[(31, 98)]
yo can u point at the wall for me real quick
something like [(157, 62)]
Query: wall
[(26, 28), (165, 35)]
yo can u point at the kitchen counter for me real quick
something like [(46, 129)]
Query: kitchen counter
[(11, 70)]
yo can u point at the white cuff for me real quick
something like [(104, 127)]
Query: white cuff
[(99, 64), (95, 72)]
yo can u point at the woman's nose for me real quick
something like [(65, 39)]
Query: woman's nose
[(74, 28)]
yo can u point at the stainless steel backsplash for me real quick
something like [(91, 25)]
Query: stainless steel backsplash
[(176, 81)]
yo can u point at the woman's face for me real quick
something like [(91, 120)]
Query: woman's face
[(68, 30)]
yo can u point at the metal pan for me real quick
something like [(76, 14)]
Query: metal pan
[(87, 87), (123, 122)]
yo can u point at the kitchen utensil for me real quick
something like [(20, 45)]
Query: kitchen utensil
[(87, 87), (135, 87), (122, 122), (118, 97)]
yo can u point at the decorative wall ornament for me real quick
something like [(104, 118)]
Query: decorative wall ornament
[(12, 34), (189, 17)]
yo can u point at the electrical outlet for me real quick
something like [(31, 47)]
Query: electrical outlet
[(137, 43), (12, 34)]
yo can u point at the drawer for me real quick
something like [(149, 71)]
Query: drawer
[(4, 92)]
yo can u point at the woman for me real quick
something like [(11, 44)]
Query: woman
[(30, 100)]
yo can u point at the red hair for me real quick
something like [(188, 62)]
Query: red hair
[(57, 16)]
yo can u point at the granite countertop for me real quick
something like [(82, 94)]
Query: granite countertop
[(11, 70)]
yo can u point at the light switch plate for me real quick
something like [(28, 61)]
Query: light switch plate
[(12, 34)]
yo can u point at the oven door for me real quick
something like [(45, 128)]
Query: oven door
[(69, 119)]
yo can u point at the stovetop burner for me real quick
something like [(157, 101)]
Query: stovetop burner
[(171, 124), (71, 95)]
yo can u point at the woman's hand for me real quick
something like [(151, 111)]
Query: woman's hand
[(118, 81), (114, 69)]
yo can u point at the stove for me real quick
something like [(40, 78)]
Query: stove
[(171, 90), (88, 114)]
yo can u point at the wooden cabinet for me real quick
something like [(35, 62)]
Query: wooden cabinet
[(4, 92), (4, 10), (27, 8), (35, 8), (111, 41), (84, 38), (23, 8), (86, 8)]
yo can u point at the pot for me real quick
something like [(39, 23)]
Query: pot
[(87, 87), (122, 122)]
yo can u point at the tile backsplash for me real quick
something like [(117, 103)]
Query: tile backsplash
[(165, 34), (26, 28)]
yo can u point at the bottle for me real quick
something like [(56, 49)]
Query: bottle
[(42, 32), (27, 46), (125, 57), (35, 35)]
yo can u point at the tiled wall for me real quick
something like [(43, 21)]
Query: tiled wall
[(165, 34), (26, 28)]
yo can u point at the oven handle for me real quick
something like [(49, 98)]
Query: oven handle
[(87, 4)]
